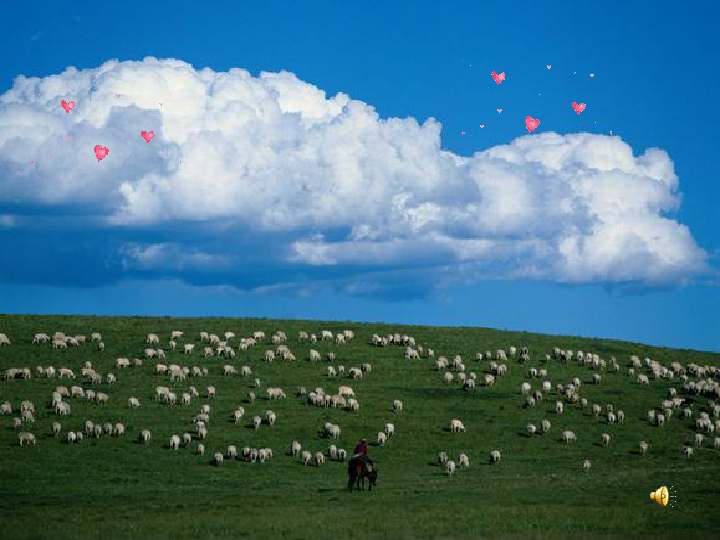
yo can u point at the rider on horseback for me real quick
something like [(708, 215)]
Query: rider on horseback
[(361, 451)]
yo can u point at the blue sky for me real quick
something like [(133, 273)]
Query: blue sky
[(291, 202)]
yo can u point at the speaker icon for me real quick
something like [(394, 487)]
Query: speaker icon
[(661, 496)]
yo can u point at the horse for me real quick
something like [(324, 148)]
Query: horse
[(357, 472)]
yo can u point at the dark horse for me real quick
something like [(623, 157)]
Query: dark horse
[(357, 472)]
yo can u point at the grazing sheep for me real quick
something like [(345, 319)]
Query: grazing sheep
[(133, 403), (716, 442), (699, 439), (545, 426), (341, 454), (397, 405), (272, 417), (381, 438), (232, 451), (495, 457), (463, 460), (389, 429), (456, 425), (558, 407), (218, 458), (119, 429), (305, 457), (442, 458), (71, 437), (186, 439), (687, 452), (450, 468), (174, 442), (620, 416), (257, 421), (56, 428), (530, 402), (319, 458), (660, 420), (586, 465), (568, 436), (605, 437), (643, 447)]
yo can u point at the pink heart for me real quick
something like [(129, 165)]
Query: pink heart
[(531, 124), (101, 152), (592, 74), (32, 162), (611, 133), (117, 95), (68, 138), (161, 104), (578, 108), (67, 106), (147, 135), (482, 125), (499, 110), (498, 78), (548, 66)]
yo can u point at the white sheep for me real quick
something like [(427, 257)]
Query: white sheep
[(26, 438), (257, 421), (218, 458), (699, 437), (319, 458), (186, 439), (397, 405), (305, 457), (341, 454), (381, 438), (586, 465), (531, 429), (232, 451), (456, 425), (389, 429), (545, 426), (463, 460), (643, 447), (174, 442), (119, 429), (450, 468), (687, 451), (133, 403), (558, 407), (295, 448), (569, 436), (442, 458), (145, 436), (495, 457)]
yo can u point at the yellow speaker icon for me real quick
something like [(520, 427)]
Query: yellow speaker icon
[(661, 496)]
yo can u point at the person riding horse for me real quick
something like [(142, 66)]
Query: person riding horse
[(361, 454)]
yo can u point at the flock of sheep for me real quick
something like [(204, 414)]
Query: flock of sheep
[(695, 380)]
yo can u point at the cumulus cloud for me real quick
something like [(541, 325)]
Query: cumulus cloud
[(269, 175)]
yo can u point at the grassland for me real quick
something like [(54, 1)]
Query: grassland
[(116, 488)]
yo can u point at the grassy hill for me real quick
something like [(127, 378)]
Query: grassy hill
[(117, 488)]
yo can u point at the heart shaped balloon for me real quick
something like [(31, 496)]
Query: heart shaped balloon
[(531, 123), (101, 152)]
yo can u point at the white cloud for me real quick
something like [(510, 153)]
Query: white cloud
[(275, 155)]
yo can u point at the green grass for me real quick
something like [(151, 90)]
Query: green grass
[(116, 488)]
